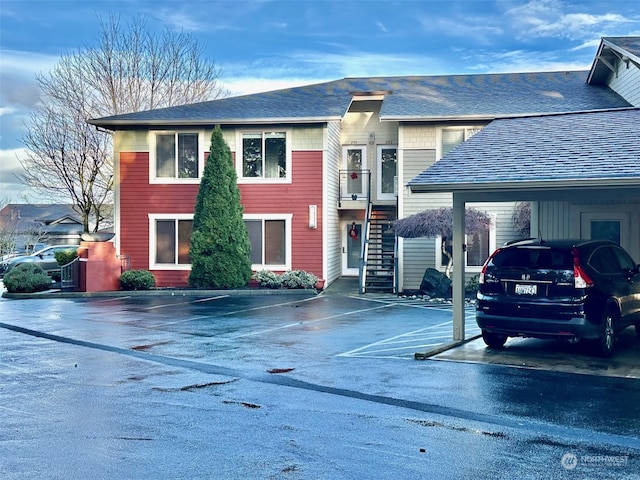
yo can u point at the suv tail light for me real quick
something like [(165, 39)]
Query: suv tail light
[(481, 277), (580, 277)]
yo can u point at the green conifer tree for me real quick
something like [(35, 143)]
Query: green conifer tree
[(219, 241)]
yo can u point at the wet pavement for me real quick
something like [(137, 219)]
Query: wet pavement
[(300, 386)]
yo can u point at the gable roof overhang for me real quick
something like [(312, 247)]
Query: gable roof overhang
[(545, 157), (611, 52)]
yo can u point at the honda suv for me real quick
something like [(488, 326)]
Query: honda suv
[(567, 289)]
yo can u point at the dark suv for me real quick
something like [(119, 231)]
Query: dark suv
[(567, 289)]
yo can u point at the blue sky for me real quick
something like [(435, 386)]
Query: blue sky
[(268, 44)]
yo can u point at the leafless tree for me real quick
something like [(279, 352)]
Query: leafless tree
[(130, 70)]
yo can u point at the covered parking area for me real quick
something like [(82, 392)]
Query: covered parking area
[(580, 171)]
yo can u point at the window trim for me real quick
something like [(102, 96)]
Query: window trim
[(468, 268), (153, 178), (287, 217), (153, 217), (262, 180), (467, 135)]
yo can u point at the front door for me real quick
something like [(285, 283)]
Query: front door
[(387, 172), (351, 247), (354, 161)]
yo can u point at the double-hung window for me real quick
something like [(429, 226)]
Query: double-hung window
[(270, 239), (264, 155), (176, 155), (170, 241)]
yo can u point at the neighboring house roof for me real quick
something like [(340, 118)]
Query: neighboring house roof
[(577, 149), (411, 98), (43, 213), (611, 51)]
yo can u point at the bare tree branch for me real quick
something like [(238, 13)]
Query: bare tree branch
[(129, 70)]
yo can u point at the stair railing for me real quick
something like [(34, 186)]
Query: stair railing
[(364, 253)]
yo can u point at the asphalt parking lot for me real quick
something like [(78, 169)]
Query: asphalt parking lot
[(238, 386), (405, 328)]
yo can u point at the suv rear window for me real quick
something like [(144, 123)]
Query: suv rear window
[(539, 258)]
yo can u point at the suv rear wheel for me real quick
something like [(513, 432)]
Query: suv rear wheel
[(607, 340), (494, 340)]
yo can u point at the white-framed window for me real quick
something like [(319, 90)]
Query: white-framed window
[(451, 137), (478, 248), (263, 156), (169, 241), (176, 156), (270, 239)]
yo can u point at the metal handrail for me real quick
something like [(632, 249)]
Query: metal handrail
[(364, 254), (70, 274)]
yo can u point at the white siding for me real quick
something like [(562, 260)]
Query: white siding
[(131, 141), (357, 126), (626, 83), (307, 138), (418, 254), (332, 162), (554, 220)]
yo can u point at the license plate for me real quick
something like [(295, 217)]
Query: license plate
[(526, 289)]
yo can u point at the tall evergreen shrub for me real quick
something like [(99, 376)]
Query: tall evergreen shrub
[(219, 242)]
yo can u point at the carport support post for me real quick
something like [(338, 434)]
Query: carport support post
[(458, 268)]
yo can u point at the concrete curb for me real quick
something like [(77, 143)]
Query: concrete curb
[(443, 348), (161, 293)]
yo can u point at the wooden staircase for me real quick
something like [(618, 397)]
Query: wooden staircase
[(380, 266)]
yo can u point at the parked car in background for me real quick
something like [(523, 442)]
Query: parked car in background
[(45, 258), (566, 289)]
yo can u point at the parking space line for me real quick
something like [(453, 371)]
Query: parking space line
[(306, 322), (200, 300), (420, 339)]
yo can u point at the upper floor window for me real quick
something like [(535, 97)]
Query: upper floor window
[(264, 155), (452, 137), (176, 155)]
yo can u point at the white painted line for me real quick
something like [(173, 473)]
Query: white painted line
[(307, 322), (200, 300)]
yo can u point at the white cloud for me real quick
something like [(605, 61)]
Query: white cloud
[(11, 187), (7, 111), (29, 63), (549, 19)]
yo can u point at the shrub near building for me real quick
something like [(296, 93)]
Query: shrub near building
[(26, 278)]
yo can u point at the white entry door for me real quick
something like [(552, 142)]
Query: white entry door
[(351, 247), (354, 162), (386, 172)]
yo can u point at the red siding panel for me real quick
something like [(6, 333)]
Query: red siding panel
[(139, 198)]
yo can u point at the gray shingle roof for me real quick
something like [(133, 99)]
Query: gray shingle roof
[(408, 98), (628, 44), (570, 148)]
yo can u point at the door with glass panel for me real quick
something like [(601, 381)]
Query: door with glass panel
[(351, 247), (386, 172), (612, 226), (354, 163)]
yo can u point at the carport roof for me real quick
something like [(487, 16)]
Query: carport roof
[(588, 149)]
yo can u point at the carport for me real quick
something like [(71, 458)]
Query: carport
[(567, 165)]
